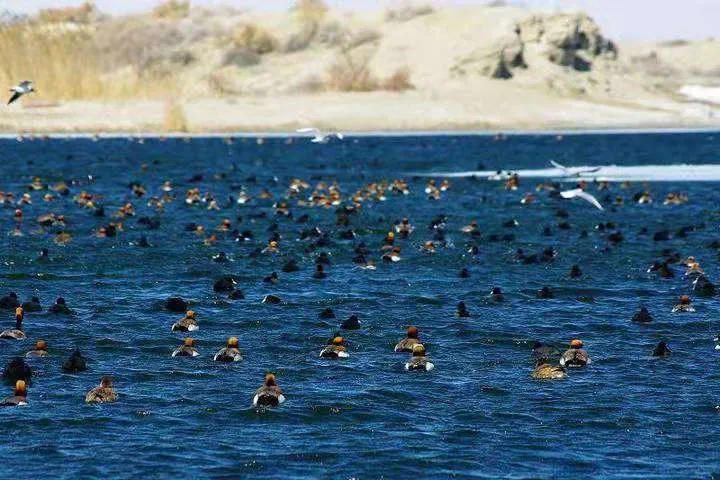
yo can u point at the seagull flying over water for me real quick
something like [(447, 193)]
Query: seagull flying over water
[(579, 193), (26, 86), (320, 137), (573, 172)]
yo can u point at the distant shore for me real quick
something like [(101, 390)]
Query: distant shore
[(365, 134), (441, 111)]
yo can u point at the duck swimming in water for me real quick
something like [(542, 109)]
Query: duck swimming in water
[(17, 333), (17, 369), (351, 323), (496, 295), (406, 344), (76, 363), (545, 292), (462, 311), (419, 361), (546, 371), (392, 256), (575, 356), (60, 307), (336, 349), (230, 353), (19, 397), (186, 324), (103, 393), (642, 315), (543, 350), (683, 306), (10, 301), (575, 272), (270, 394), (662, 350), (187, 349), (39, 351), (33, 305)]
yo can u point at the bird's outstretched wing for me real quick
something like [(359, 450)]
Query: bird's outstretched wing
[(579, 193), (14, 97), (339, 135), (308, 130), (557, 165)]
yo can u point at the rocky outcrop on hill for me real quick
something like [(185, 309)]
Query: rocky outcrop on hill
[(568, 40)]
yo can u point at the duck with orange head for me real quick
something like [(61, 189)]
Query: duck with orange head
[(19, 397), (270, 394), (575, 356), (103, 393), (18, 333), (411, 339)]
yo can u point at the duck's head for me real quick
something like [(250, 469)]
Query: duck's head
[(19, 314), (338, 341), (190, 314), (189, 342), (20, 389), (496, 291), (60, 301), (576, 343), (232, 342), (412, 332), (40, 345), (418, 350), (106, 382), (684, 300), (270, 380)]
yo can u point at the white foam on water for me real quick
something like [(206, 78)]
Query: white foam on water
[(612, 173)]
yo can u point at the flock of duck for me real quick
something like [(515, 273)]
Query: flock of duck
[(549, 362)]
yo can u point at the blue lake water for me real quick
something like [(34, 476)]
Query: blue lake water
[(478, 414)]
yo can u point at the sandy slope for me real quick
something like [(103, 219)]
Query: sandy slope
[(446, 52)]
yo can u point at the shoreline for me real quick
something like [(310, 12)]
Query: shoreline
[(364, 133)]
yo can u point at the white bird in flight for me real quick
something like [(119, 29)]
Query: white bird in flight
[(573, 172), (579, 193), (320, 137), (26, 86)]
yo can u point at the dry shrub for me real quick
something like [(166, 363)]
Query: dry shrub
[(309, 14), (310, 11), (254, 38), (361, 37), (66, 62), (300, 40), (351, 73), (84, 14), (174, 120), (399, 81), (241, 57), (62, 62), (174, 9), (309, 84), (407, 12), (155, 49), (333, 34)]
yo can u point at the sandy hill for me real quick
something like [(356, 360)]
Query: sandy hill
[(410, 68)]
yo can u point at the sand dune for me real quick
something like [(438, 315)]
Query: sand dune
[(557, 71)]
